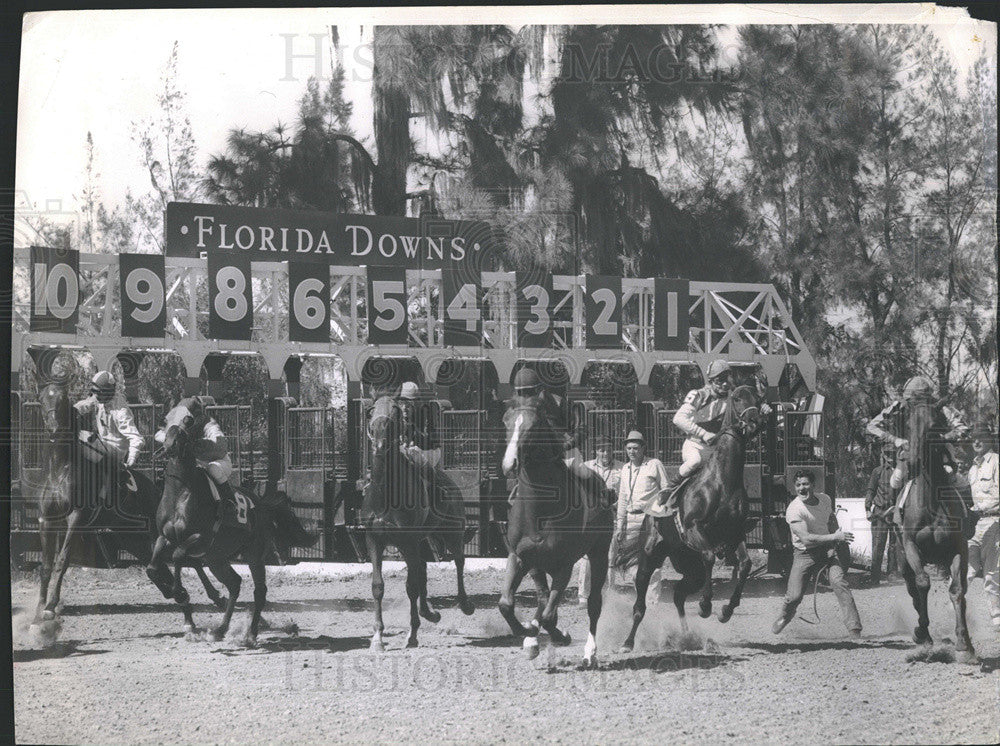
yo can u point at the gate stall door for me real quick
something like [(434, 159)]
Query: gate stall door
[(310, 463), (608, 423), (464, 453), (237, 423)]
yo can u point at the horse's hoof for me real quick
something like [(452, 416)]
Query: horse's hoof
[(467, 607), (922, 637), (627, 647), (411, 642), (590, 663), (725, 614), (560, 638), (705, 610), (431, 616), (221, 603), (376, 647), (967, 657), (217, 634), (530, 646), (249, 640), (48, 615)]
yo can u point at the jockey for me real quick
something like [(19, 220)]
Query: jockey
[(113, 426), (944, 421), (700, 418), (211, 449), (418, 438)]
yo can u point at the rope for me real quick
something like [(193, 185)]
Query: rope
[(826, 569)]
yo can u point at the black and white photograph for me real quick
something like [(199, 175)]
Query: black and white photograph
[(561, 374)]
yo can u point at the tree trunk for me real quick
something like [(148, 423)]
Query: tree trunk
[(392, 131)]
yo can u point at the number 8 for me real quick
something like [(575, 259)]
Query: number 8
[(230, 302)]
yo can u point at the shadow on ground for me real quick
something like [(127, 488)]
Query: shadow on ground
[(61, 649)]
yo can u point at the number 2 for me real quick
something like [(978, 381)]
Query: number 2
[(603, 324)]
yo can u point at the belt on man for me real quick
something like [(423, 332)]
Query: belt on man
[(636, 511)]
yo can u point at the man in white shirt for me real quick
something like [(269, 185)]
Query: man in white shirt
[(110, 423), (608, 468), (642, 480), (815, 536), (984, 551)]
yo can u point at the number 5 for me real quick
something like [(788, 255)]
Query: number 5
[(383, 304)]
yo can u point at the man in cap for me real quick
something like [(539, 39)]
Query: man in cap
[(642, 480), (880, 498), (984, 546), (609, 469), (110, 423), (418, 437), (700, 418)]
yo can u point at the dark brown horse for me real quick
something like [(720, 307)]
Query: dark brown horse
[(712, 519), (190, 530), (69, 504), (555, 520), (934, 523), (404, 504)]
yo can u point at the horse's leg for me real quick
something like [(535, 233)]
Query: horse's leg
[(959, 585), (226, 575), (258, 573), (48, 536), (918, 583), (179, 593), (743, 565), (411, 554), (530, 642), (375, 548), (512, 580), (157, 570), (62, 564), (457, 550), (648, 564), (705, 605), (550, 616), (598, 557), (691, 565), (426, 610), (214, 596)]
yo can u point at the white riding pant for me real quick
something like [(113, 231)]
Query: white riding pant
[(220, 471), (691, 454)]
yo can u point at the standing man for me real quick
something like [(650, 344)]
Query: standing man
[(609, 469), (880, 499), (984, 552), (419, 441), (815, 538), (642, 480)]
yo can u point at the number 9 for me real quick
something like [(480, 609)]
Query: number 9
[(151, 297)]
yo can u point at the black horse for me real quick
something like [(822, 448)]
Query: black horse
[(69, 505), (404, 504), (556, 519), (935, 524), (712, 518), (190, 530)]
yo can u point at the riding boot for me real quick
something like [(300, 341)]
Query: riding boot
[(226, 497), (668, 497)]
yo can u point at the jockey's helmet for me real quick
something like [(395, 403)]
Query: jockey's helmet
[(716, 369), (918, 387), (409, 390), (526, 380), (103, 385)]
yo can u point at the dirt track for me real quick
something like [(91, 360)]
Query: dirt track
[(122, 672)]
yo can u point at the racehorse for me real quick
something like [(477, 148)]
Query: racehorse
[(405, 503), (554, 520), (68, 502), (934, 522), (712, 518), (190, 530)]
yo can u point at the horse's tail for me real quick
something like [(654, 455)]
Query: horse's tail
[(288, 529)]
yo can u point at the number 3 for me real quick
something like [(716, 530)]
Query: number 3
[(539, 309)]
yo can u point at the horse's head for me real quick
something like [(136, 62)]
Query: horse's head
[(384, 423), (530, 437), (180, 425), (55, 408), (743, 414)]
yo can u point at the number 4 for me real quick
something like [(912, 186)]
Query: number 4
[(464, 307)]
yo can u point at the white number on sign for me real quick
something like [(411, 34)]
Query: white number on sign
[(47, 290), (383, 304), (230, 303), (463, 307), (539, 297), (307, 305), (603, 325), (143, 288)]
